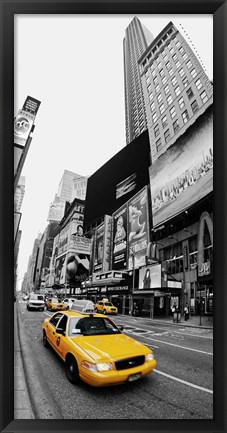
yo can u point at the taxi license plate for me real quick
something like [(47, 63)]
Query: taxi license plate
[(134, 377)]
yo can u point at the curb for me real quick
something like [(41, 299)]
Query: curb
[(41, 401)]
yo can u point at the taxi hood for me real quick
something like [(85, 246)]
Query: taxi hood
[(110, 347)]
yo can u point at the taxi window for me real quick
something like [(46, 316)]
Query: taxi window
[(100, 303), (91, 326), (108, 304), (54, 319), (63, 322)]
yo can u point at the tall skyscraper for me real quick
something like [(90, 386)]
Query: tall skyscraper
[(137, 39), (176, 89), (71, 186)]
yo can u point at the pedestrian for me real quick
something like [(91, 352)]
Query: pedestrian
[(186, 312)]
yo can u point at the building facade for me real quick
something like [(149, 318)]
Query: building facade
[(137, 39), (175, 86)]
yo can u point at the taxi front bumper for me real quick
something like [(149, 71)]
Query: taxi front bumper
[(115, 377)]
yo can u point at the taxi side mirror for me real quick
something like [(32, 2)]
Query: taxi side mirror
[(121, 328), (60, 331)]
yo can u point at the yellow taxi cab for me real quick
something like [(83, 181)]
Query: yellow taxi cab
[(106, 307), (95, 349), (55, 304)]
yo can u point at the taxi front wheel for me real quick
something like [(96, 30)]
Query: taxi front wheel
[(72, 372)]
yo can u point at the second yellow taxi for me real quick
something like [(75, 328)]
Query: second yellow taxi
[(106, 307), (55, 304)]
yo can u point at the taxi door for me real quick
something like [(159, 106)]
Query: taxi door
[(60, 339), (51, 328)]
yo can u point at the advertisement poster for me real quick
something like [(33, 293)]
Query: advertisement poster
[(60, 267), (22, 127), (24, 120), (138, 228), (77, 268), (119, 260), (31, 105), (63, 240), (150, 277), (56, 211), (99, 244), (107, 243), (80, 244), (76, 224), (184, 173)]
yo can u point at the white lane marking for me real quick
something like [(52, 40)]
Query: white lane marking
[(152, 346), (183, 381), (177, 345), (192, 335), (49, 315)]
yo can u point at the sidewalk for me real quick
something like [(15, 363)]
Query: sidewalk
[(203, 322), (32, 396), (22, 405)]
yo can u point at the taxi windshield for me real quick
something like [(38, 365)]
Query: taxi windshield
[(91, 326), (55, 300)]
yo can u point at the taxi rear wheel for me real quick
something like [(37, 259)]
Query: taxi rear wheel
[(72, 372), (45, 341)]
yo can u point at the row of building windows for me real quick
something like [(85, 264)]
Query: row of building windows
[(181, 101), (158, 46), (168, 65), (176, 124)]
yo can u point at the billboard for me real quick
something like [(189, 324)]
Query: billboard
[(106, 262), (24, 120), (77, 268), (119, 255), (63, 240), (150, 277), (60, 269), (76, 224), (184, 173), (118, 180), (138, 229), (56, 211), (79, 244), (99, 244)]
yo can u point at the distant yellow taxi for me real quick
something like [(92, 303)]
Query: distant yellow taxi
[(95, 350), (55, 304), (106, 307)]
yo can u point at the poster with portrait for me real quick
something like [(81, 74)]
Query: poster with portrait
[(150, 277), (138, 229), (119, 257), (99, 248)]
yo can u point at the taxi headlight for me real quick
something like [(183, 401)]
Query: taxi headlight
[(149, 357), (102, 366)]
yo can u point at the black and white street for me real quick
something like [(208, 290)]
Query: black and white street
[(181, 387)]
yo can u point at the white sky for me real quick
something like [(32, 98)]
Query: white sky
[(73, 64)]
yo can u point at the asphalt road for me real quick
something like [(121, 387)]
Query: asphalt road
[(181, 387)]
